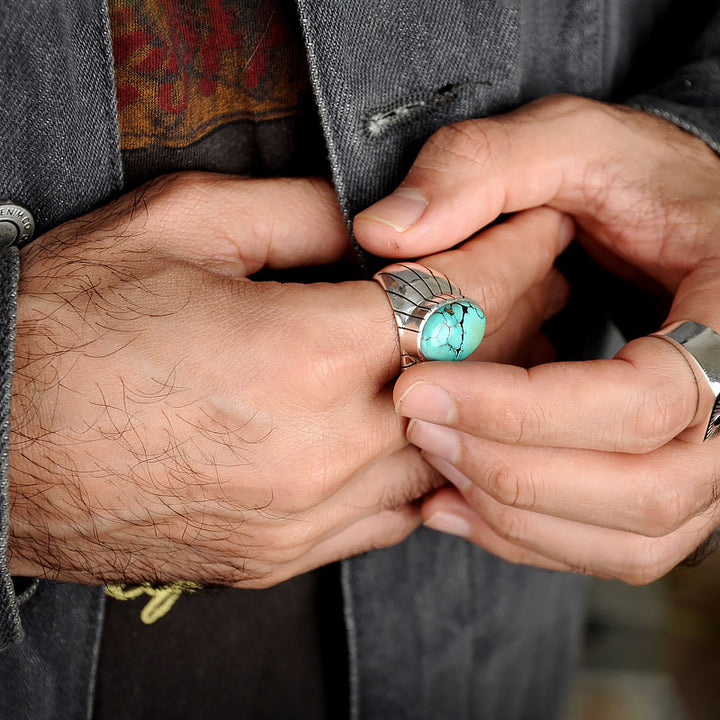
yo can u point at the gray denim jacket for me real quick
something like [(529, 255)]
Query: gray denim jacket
[(436, 628)]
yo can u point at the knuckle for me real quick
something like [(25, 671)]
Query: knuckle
[(273, 545), (510, 486), (528, 422), (321, 376), (399, 526), (476, 142), (639, 576), (303, 490), (258, 580), (296, 540), (571, 111), (418, 480), (271, 579), (666, 507), (647, 562), (566, 104), (398, 532), (395, 498), (510, 525), (657, 419)]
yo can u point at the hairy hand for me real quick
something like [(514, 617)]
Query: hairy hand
[(581, 466), (173, 420)]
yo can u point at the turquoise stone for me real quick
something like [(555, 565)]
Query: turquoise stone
[(453, 331)]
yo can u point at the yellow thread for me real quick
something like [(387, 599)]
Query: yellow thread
[(162, 598), (160, 605), (124, 592)]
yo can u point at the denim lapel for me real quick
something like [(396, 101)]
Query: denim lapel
[(61, 152)]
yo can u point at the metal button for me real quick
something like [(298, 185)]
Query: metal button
[(17, 224)]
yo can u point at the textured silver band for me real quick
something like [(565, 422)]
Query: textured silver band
[(700, 345), (414, 292)]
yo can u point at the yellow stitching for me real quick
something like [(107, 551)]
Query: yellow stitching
[(160, 605), (162, 598), (124, 592)]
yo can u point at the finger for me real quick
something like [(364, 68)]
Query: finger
[(469, 173), (696, 296), (325, 508), (635, 403), (635, 559), (507, 265), (393, 482), (651, 495), (518, 339), (551, 152), (370, 533), (696, 301), (447, 511), (233, 224), (498, 266)]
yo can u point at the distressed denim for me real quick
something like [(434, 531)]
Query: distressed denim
[(436, 628)]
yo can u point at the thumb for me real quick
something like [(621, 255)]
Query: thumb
[(470, 172), (696, 297), (238, 226), (587, 159)]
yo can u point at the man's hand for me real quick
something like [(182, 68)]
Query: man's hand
[(172, 420), (581, 466)]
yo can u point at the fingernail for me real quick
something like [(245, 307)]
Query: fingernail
[(448, 523), (424, 401), (448, 471), (436, 439), (400, 210)]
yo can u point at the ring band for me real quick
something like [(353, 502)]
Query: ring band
[(700, 345), (435, 321)]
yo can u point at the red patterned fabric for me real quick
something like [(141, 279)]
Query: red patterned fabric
[(187, 67)]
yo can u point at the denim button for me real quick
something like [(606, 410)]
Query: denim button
[(17, 224)]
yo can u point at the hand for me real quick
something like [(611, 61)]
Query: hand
[(573, 466), (172, 420)]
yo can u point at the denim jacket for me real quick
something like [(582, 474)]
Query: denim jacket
[(436, 628)]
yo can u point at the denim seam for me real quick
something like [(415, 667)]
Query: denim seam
[(352, 642), (679, 121), (112, 124), (97, 615), (603, 41), (12, 259), (26, 594), (325, 121)]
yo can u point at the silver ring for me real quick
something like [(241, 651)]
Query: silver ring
[(435, 321), (701, 348)]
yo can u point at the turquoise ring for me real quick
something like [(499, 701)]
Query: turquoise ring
[(435, 321)]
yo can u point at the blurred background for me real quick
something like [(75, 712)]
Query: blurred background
[(653, 652)]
